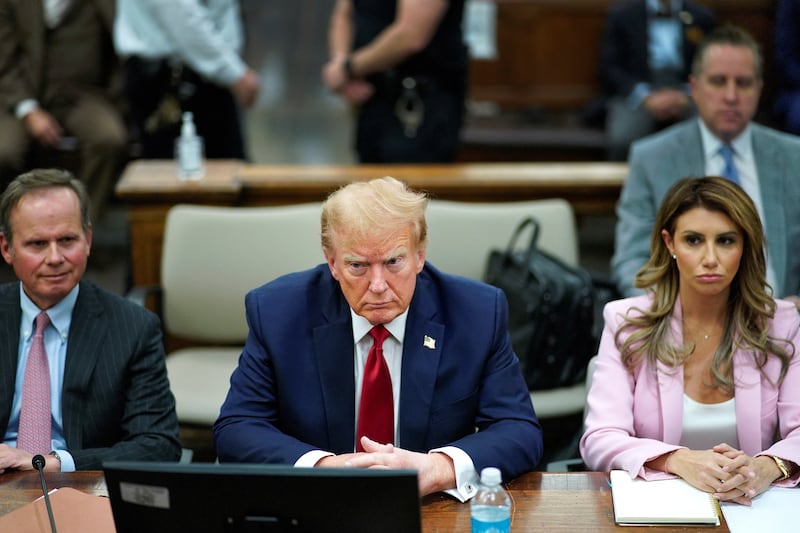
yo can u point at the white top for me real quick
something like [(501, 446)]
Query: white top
[(207, 35), (707, 424)]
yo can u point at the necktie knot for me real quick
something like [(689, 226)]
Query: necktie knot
[(41, 322), (379, 334), (729, 170)]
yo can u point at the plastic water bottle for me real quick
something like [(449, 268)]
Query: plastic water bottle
[(189, 150), (491, 505)]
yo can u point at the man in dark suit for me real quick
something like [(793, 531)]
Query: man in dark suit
[(57, 72), (645, 57), (726, 85), (458, 400), (108, 388)]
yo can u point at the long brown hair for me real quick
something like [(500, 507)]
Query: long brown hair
[(750, 302)]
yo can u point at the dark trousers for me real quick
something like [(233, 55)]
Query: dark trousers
[(381, 136), (216, 114)]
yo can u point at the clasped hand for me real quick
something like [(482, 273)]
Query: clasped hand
[(15, 459), (728, 473), (434, 470)]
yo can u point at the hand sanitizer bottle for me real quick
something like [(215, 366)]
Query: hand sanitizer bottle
[(189, 150)]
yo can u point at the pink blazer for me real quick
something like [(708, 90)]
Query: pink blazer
[(635, 417)]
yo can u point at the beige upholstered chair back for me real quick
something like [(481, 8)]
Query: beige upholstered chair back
[(461, 234), (213, 255)]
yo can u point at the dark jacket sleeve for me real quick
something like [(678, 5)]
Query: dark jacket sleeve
[(117, 403)]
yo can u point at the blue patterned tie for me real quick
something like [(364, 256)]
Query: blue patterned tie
[(729, 171)]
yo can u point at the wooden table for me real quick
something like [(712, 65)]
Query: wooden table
[(19, 488), (151, 187), (543, 501)]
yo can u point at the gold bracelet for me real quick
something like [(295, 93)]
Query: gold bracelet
[(782, 467)]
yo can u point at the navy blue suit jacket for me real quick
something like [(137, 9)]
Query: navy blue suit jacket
[(294, 388)]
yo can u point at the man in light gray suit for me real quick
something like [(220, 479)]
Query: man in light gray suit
[(109, 397), (726, 84)]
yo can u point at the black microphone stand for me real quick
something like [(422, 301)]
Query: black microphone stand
[(38, 463)]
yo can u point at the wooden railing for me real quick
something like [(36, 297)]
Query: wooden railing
[(151, 187)]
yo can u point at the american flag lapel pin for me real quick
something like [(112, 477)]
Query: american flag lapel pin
[(429, 342)]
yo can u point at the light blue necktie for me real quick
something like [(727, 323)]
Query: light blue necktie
[(729, 171)]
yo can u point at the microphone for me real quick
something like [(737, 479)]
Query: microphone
[(38, 464)]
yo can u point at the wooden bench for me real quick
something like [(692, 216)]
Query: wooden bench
[(150, 188)]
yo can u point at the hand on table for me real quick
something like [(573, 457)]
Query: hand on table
[(729, 474), (15, 459), (434, 470), (749, 476)]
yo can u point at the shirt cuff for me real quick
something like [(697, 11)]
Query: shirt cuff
[(66, 459), (466, 476), (25, 107), (309, 459)]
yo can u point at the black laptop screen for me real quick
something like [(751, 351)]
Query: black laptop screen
[(236, 498)]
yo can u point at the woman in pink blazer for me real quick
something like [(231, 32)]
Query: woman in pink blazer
[(700, 378)]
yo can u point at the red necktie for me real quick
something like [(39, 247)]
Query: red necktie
[(34, 414), (376, 412)]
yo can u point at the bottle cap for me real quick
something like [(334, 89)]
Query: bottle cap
[(188, 129), (491, 476)]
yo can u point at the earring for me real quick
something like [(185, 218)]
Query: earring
[(674, 256)]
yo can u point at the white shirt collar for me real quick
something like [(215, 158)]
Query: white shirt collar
[(60, 314), (396, 327), (742, 145)]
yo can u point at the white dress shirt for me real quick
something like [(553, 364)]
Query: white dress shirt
[(205, 35), (55, 339), (466, 475)]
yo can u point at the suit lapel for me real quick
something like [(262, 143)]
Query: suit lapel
[(771, 167), (87, 333), (670, 387), (747, 402), (333, 344), (691, 160), (422, 349), (10, 316)]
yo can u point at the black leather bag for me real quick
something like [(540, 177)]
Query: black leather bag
[(551, 311)]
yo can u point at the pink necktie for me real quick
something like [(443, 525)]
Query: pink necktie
[(34, 415), (376, 412)]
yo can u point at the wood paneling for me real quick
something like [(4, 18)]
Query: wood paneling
[(548, 49)]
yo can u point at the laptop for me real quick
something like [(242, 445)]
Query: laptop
[(158, 497)]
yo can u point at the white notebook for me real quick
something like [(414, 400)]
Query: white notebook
[(668, 501)]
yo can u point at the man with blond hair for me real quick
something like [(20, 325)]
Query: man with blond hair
[(446, 396)]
